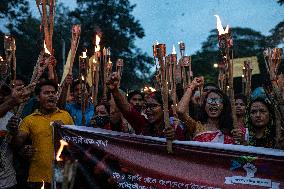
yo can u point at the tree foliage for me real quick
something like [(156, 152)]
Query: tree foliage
[(281, 2), (119, 30), (277, 35)]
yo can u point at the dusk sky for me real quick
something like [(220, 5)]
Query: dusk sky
[(170, 21)]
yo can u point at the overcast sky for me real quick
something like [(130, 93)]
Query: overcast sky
[(170, 21)]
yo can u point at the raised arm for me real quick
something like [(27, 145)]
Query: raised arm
[(136, 120), (119, 99), (183, 105), (19, 94), (64, 92)]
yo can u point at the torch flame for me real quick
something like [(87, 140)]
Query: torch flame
[(83, 78), (84, 54), (1, 59), (45, 49), (174, 50), (62, 144), (220, 28), (98, 40), (148, 89), (152, 89), (42, 187)]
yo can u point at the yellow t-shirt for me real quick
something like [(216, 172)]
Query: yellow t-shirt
[(37, 126)]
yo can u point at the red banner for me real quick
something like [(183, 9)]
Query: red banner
[(110, 159)]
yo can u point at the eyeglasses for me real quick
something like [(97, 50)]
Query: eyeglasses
[(214, 100), (152, 106)]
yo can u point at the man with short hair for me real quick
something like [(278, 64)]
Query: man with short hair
[(75, 108), (37, 127)]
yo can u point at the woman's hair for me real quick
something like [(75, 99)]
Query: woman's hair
[(159, 98), (133, 93), (225, 119), (242, 97), (106, 105), (270, 132)]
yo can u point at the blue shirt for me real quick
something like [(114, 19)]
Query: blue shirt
[(76, 112)]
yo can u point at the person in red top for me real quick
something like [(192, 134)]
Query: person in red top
[(154, 124)]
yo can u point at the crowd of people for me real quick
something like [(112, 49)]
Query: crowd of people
[(26, 140)]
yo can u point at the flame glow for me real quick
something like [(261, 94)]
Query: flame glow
[(220, 28), (148, 89), (98, 40), (62, 144), (45, 49), (83, 78), (215, 65), (84, 54), (42, 187), (109, 61), (174, 50), (1, 59)]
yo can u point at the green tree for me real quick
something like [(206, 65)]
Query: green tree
[(281, 2), (120, 29), (277, 35), (12, 10)]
